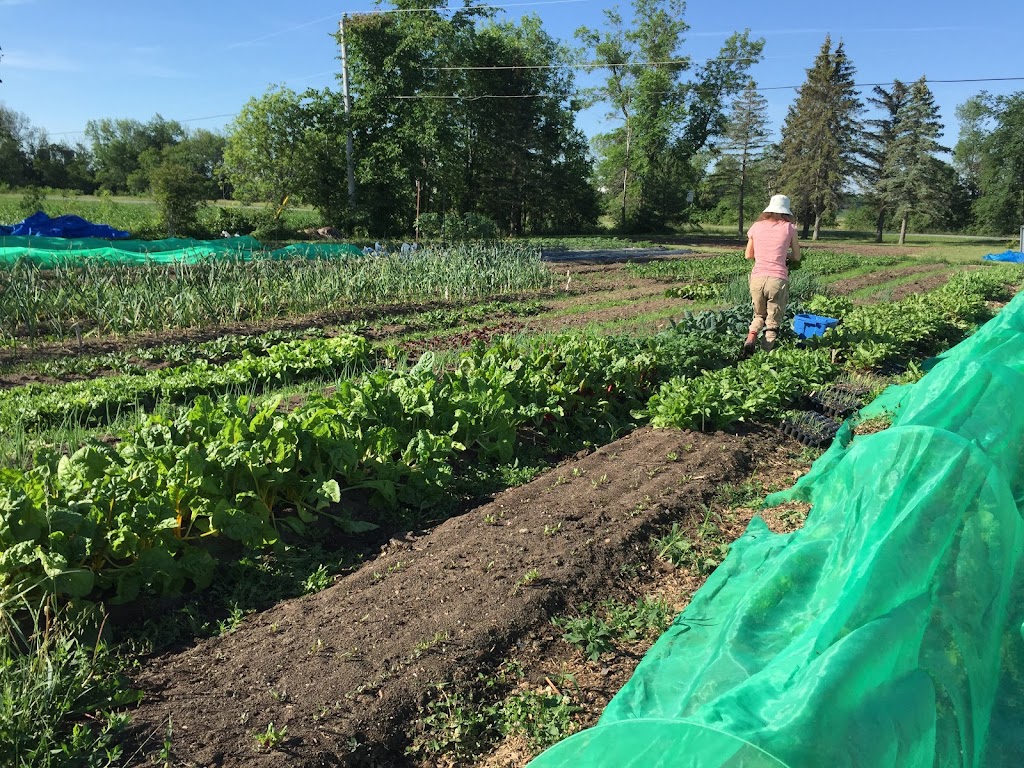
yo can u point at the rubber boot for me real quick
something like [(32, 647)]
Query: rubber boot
[(769, 343), (749, 344)]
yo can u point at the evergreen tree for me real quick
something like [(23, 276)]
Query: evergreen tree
[(910, 175), (821, 138), (746, 138), (878, 139)]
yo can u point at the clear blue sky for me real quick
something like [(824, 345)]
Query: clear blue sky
[(68, 61)]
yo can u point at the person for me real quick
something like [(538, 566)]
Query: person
[(771, 241)]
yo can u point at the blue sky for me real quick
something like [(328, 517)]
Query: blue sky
[(66, 62)]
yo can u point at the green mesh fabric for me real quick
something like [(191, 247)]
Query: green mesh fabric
[(49, 252), (885, 632)]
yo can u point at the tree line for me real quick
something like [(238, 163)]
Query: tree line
[(458, 120)]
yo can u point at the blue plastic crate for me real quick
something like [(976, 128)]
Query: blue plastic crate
[(806, 326)]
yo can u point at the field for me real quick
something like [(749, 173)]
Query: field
[(314, 517)]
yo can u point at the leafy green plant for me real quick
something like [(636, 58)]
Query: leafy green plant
[(541, 717), (588, 632), (273, 737)]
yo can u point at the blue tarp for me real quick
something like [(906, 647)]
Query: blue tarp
[(1015, 256), (41, 225)]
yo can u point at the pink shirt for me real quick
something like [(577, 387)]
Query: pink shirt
[(771, 244)]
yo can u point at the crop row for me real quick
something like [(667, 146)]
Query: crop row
[(868, 337), (141, 515), (86, 402), (72, 300), (720, 268)]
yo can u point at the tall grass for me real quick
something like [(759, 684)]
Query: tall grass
[(56, 689)]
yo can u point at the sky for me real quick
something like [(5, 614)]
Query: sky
[(66, 62)]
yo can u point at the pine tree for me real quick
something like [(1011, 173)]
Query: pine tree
[(878, 143), (821, 138), (745, 140), (910, 175)]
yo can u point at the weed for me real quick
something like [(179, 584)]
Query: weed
[(540, 717), (588, 632), (317, 581), (551, 530), (272, 737), (425, 645), (236, 615), (529, 577), (455, 726)]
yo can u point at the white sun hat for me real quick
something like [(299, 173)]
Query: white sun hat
[(779, 204)]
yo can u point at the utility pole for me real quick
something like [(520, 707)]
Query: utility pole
[(349, 167)]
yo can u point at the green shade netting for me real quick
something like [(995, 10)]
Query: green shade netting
[(885, 632), (49, 252)]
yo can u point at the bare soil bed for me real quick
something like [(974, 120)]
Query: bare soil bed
[(347, 670), (881, 276)]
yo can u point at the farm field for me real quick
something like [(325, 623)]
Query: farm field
[(438, 526)]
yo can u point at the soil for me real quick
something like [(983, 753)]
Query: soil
[(347, 670), (851, 284)]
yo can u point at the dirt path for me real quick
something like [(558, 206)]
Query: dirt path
[(345, 670)]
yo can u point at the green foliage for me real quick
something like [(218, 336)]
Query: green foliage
[(179, 192), (272, 738), (265, 149), (701, 554), (696, 291), (991, 154), (519, 162), (542, 718), (760, 387), (33, 199), (135, 518), (96, 400), (910, 175), (118, 147), (588, 632), (453, 227), (820, 138), (597, 630), (56, 694), (121, 298), (828, 306), (645, 161)]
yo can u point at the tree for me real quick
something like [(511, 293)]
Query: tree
[(118, 145), (644, 92), (61, 166), (526, 166), (265, 152), (664, 120), (990, 155), (878, 139), (15, 139), (745, 139), (909, 181), (179, 190), (821, 138), (463, 116), (405, 85)]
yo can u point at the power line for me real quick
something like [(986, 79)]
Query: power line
[(459, 97), (662, 93)]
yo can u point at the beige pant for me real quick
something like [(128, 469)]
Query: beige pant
[(770, 296)]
